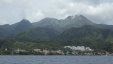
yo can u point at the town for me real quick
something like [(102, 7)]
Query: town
[(67, 50)]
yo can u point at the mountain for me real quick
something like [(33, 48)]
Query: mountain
[(21, 26), (7, 30), (77, 21), (49, 28), (69, 22), (48, 22)]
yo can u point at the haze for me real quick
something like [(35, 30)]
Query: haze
[(12, 11)]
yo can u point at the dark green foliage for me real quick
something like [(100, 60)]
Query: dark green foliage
[(39, 34)]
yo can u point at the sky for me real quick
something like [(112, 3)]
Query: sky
[(98, 11)]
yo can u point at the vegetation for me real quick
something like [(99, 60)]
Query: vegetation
[(54, 34)]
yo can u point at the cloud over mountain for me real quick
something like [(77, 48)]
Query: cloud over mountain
[(12, 11)]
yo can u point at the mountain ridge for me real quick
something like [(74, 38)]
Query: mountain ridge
[(48, 23)]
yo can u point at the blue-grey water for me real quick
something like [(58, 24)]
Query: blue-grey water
[(56, 59)]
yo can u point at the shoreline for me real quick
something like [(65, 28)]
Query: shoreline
[(56, 55)]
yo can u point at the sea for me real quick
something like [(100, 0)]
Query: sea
[(35, 59)]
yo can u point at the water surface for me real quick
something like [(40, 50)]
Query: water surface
[(56, 59)]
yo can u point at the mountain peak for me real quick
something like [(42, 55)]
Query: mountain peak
[(48, 19), (77, 21), (24, 21), (76, 17)]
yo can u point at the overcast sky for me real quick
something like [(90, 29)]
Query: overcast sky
[(12, 11)]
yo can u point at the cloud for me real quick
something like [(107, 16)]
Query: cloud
[(12, 11), (101, 13), (92, 2)]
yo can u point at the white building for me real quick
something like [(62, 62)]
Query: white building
[(37, 50), (80, 48), (20, 50)]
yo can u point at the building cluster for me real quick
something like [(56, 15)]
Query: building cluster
[(75, 50), (66, 50), (46, 51), (79, 48), (41, 51)]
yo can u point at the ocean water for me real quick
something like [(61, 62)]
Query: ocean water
[(27, 59)]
